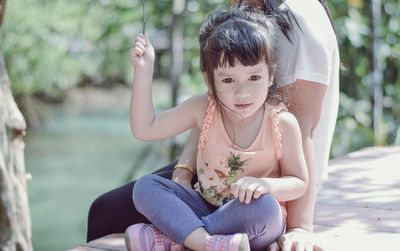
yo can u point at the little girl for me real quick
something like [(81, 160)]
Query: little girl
[(250, 157)]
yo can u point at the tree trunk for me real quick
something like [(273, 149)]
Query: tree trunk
[(377, 71), (15, 223), (177, 47)]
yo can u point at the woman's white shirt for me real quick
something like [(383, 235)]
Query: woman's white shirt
[(313, 55)]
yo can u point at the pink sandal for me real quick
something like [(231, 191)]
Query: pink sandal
[(146, 237), (234, 242)]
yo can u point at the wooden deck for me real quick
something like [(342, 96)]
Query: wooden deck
[(358, 208)]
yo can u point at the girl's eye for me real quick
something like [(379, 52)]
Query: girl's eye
[(227, 80), (255, 78)]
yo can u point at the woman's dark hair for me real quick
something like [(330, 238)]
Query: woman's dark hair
[(323, 3), (282, 16), (234, 35)]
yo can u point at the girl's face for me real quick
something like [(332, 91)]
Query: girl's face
[(242, 89)]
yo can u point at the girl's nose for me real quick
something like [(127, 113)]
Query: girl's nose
[(242, 91)]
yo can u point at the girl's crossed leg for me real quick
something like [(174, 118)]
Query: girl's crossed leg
[(178, 211)]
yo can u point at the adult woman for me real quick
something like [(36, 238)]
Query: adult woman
[(307, 73), (314, 101)]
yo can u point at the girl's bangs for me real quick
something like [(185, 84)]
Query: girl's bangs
[(240, 41)]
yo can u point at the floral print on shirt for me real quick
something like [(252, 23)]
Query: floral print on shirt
[(216, 177)]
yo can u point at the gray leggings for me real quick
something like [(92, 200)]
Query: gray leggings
[(177, 211)]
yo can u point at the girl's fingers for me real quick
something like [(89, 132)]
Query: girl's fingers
[(242, 193), (142, 53), (141, 36), (236, 186), (259, 191), (141, 39), (148, 43), (135, 52), (138, 52), (140, 46), (249, 192), (146, 37), (247, 188), (243, 190)]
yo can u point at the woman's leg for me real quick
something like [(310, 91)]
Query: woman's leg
[(114, 211), (261, 219)]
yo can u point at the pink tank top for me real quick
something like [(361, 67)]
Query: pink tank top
[(220, 162)]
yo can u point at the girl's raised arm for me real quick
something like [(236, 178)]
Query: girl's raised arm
[(145, 124)]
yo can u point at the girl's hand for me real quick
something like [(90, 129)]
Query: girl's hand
[(247, 188), (142, 52)]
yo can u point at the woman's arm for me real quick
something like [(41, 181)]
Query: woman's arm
[(305, 104), (183, 176)]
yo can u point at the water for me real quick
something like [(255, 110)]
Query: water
[(76, 155)]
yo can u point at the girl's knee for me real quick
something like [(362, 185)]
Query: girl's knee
[(260, 213), (267, 209), (267, 201), (269, 222), (143, 187)]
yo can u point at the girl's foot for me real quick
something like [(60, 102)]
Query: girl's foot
[(146, 237), (234, 242)]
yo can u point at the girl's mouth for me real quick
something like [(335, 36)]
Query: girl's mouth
[(242, 106)]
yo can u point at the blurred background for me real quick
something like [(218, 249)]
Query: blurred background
[(71, 76)]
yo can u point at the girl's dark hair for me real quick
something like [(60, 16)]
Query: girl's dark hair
[(234, 35)]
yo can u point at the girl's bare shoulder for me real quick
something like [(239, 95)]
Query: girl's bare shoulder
[(288, 123), (199, 101), (198, 105)]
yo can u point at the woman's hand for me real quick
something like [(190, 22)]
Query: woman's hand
[(296, 239), (247, 188), (142, 52)]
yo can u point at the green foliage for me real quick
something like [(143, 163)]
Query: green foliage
[(354, 127), (52, 45)]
